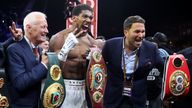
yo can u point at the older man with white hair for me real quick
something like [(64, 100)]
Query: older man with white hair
[(27, 67)]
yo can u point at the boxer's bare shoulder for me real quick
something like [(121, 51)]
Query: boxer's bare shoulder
[(57, 40)]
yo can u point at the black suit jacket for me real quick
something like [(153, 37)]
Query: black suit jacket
[(3, 47)]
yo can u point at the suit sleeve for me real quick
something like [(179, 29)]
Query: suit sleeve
[(22, 73), (104, 51), (2, 55), (159, 61), (7, 43)]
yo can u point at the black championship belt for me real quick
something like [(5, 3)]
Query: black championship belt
[(176, 78), (96, 78), (53, 93)]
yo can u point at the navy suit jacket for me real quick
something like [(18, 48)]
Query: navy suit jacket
[(3, 47), (148, 58), (25, 74)]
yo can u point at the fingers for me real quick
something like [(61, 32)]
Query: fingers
[(72, 28), (44, 52), (16, 32), (77, 33), (12, 28)]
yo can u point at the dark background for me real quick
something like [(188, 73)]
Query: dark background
[(172, 17)]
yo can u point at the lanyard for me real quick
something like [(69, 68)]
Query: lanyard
[(124, 66)]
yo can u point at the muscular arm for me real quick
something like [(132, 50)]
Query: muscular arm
[(57, 40), (98, 42)]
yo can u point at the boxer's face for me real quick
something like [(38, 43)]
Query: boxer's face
[(84, 20)]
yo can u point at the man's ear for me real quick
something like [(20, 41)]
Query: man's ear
[(125, 31), (74, 18), (28, 26)]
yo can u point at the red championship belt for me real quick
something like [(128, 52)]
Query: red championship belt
[(96, 78), (176, 79)]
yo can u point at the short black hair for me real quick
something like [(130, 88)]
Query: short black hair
[(79, 8), (149, 38), (160, 37), (132, 19)]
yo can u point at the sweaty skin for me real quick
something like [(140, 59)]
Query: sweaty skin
[(75, 65)]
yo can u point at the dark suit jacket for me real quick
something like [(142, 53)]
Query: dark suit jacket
[(2, 55), (25, 74), (148, 58), (3, 47)]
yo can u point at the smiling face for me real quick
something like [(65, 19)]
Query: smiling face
[(36, 27), (134, 35), (39, 31), (83, 21)]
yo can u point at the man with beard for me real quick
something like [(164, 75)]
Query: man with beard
[(73, 45), (129, 60)]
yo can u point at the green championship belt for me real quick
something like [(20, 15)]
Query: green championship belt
[(96, 78), (54, 90)]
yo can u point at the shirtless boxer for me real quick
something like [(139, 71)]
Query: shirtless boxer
[(73, 45)]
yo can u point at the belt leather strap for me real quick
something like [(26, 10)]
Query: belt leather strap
[(53, 93), (96, 78), (176, 78)]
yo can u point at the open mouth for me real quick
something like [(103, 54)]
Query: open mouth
[(85, 27), (138, 40)]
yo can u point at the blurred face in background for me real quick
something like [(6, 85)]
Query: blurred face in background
[(44, 45)]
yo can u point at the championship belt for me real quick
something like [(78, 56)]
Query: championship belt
[(96, 78), (176, 79), (54, 90), (3, 99)]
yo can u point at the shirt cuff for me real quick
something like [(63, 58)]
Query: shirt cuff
[(44, 65)]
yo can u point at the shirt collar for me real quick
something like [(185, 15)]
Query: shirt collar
[(30, 43), (133, 52)]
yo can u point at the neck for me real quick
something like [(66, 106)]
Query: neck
[(128, 47), (31, 40)]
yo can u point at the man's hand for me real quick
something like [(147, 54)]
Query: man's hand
[(76, 31), (16, 32), (44, 58)]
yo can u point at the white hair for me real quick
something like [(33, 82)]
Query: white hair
[(32, 18)]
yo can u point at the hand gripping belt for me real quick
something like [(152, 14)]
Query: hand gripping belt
[(96, 78), (53, 93)]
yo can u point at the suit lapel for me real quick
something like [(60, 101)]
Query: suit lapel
[(144, 59), (118, 53), (27, 50)]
